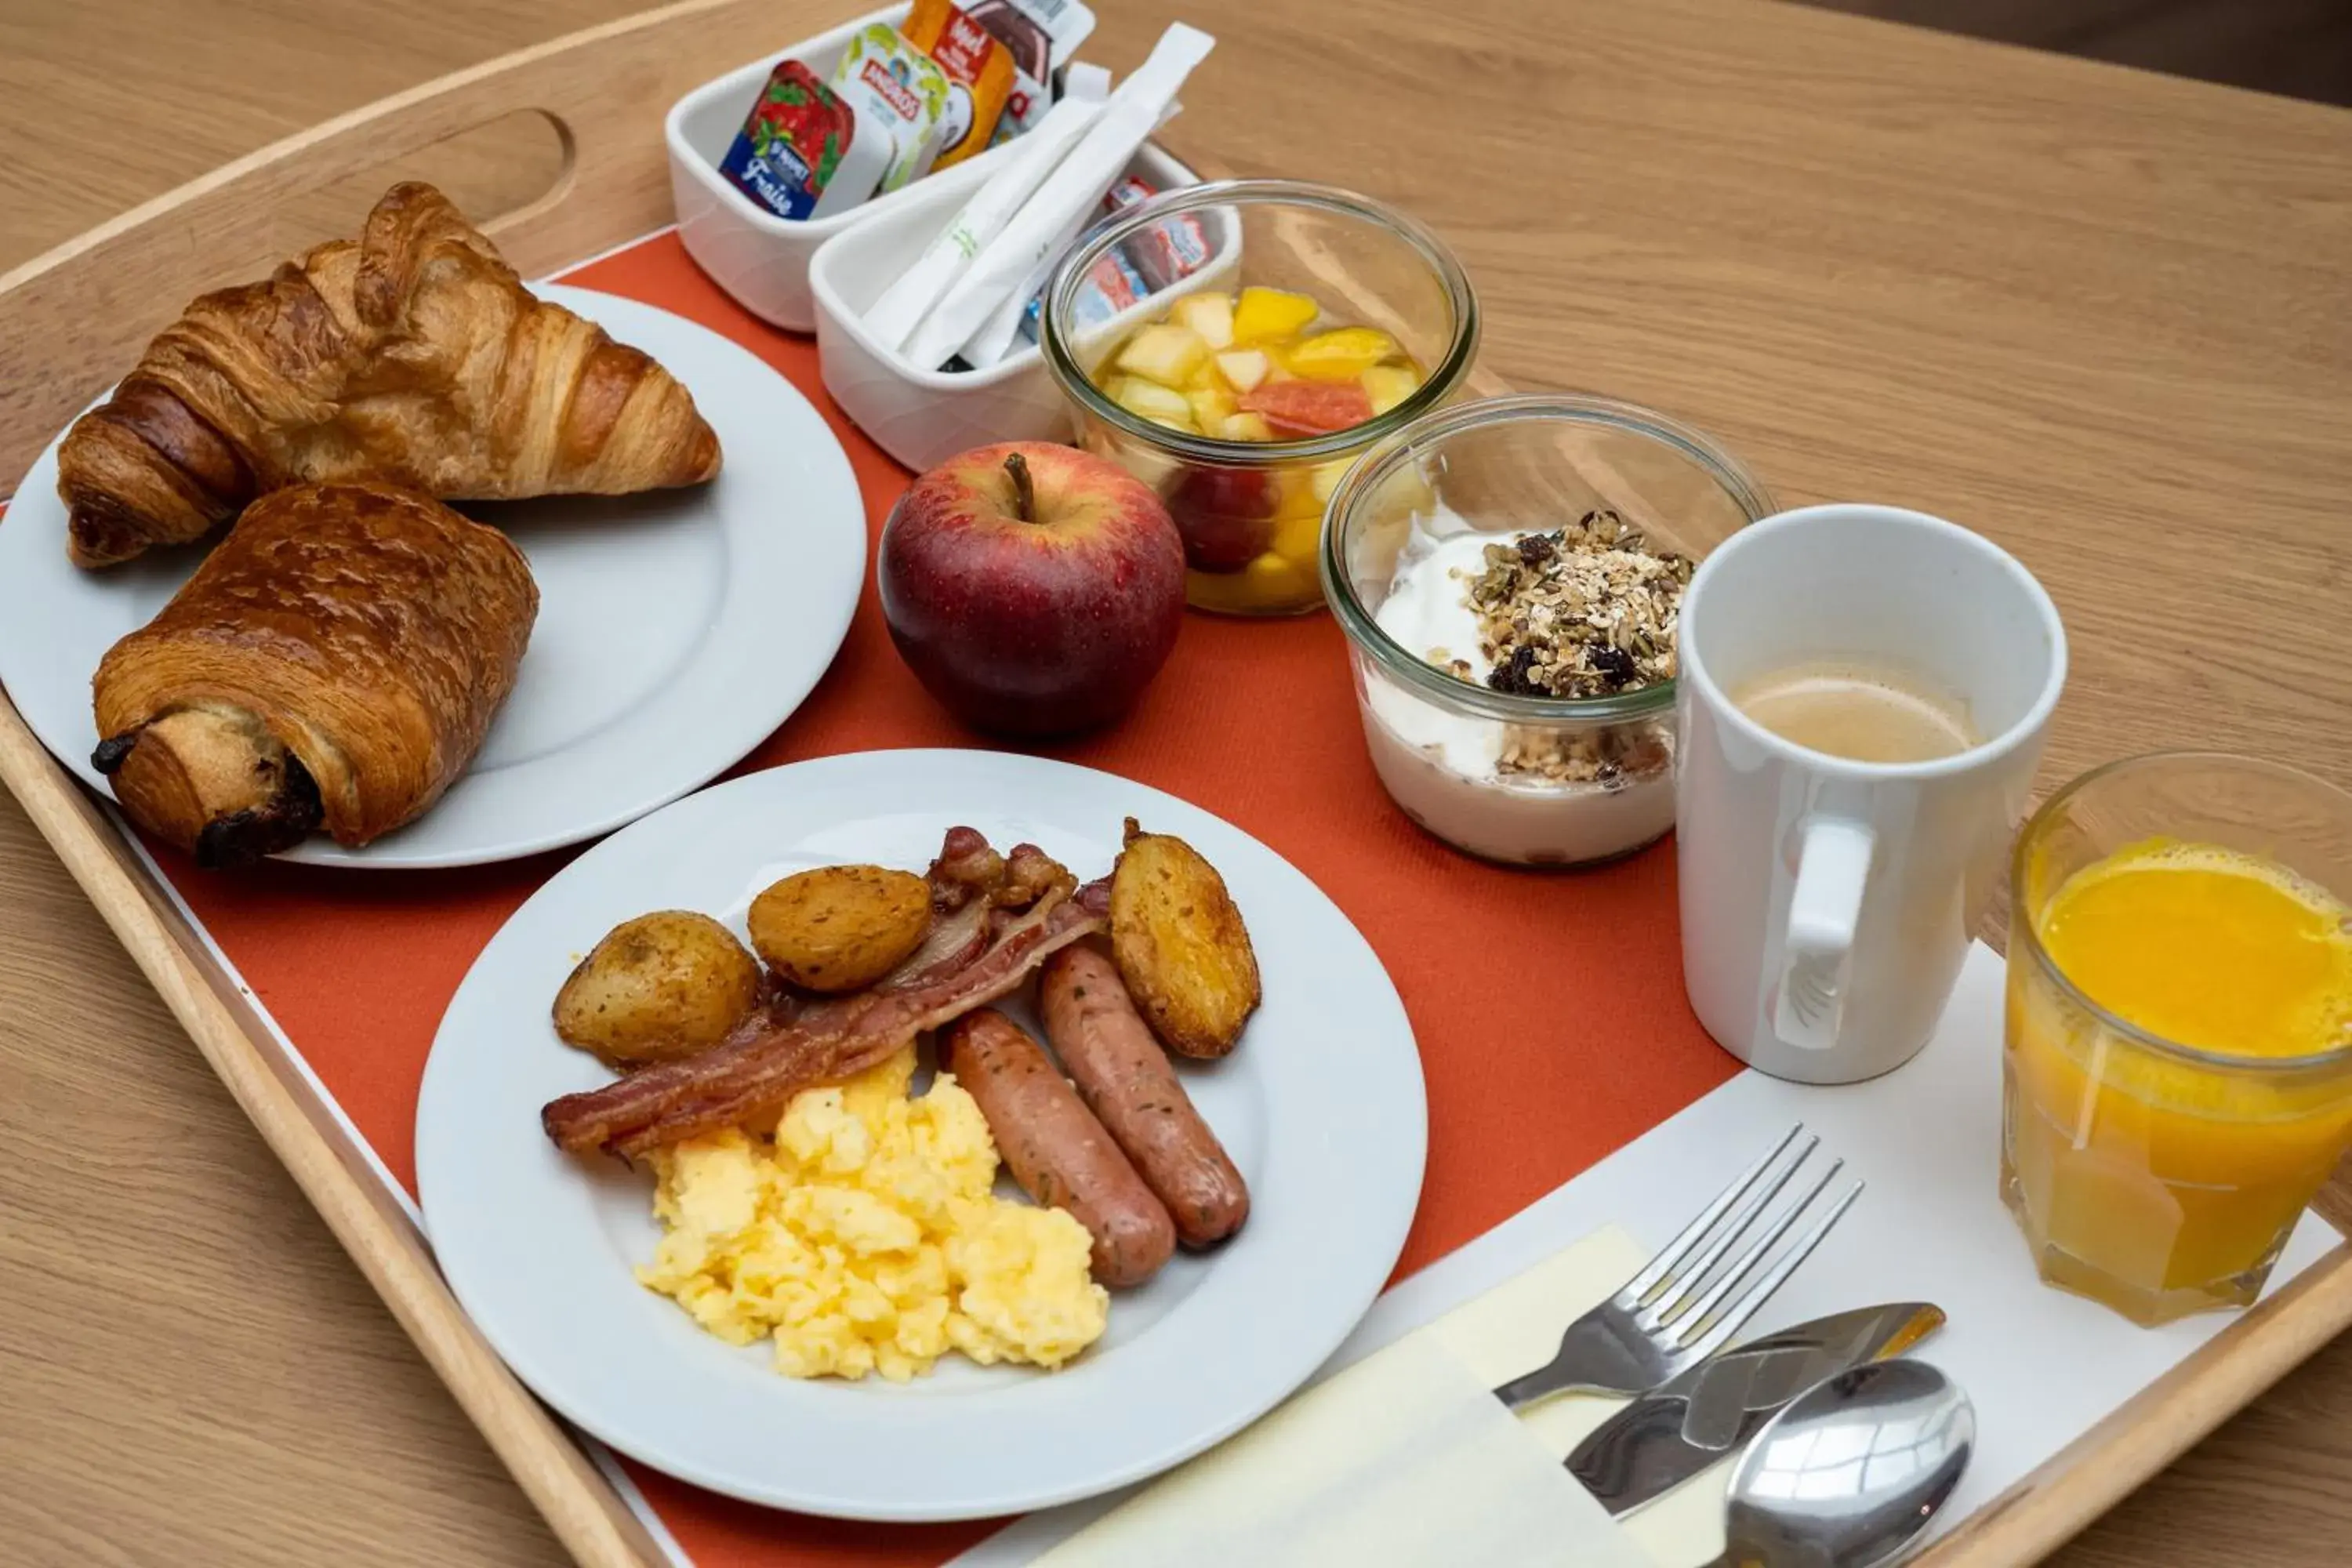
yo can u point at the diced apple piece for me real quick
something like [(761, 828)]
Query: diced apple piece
[(1206, 378), (1210, 315), (1340, 355), (1245, 427), (1149, 400), (1265, 314), (1243, 368), (1156, 469), (1164, 353), (1210, 406), (1390, 384)]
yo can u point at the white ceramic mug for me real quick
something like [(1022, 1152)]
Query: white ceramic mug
[(1826, 903)]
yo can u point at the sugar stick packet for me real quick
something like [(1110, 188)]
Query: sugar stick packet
[(896, 315), (989, 288)]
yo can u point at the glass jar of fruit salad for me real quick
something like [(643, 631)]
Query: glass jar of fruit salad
[(1243, 398), (1509, 574)]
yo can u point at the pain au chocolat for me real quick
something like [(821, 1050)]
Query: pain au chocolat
[(333, 664)]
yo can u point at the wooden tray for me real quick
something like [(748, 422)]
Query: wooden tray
[(71, 319)]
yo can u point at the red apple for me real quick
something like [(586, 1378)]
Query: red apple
[(1224, 516), (1033, 589)]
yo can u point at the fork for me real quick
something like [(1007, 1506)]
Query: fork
[(1681, 1309)]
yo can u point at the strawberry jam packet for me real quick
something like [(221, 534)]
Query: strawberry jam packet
[(801, 154)]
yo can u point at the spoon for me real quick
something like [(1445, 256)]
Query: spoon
[(1850, 1473)]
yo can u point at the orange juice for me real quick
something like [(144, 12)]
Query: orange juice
[(2160, 1166)]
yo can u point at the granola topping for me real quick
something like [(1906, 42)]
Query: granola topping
[(1587, 611)]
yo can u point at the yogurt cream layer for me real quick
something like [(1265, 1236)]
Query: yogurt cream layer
[(1428, 613)]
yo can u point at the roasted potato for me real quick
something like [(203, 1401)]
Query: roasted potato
[(839, 928), (663, 986), (1180, 945)]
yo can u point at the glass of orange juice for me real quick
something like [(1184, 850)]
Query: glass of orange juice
[(2178, 1072)]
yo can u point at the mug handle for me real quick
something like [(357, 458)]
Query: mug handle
[(1833, 868)]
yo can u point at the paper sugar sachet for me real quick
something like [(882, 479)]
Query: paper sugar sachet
[(896, 315), (986, 301)]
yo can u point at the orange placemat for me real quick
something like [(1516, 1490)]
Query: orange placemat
[(1549, 1008)]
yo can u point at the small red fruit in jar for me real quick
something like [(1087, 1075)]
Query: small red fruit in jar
[(1033, 589), (1225, 516)]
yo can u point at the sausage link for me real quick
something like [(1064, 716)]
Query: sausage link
[(1126, 1080), (1059, 1154)]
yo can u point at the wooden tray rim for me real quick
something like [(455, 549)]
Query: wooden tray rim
[(587, 1500)]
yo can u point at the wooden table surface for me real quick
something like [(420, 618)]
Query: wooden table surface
[(2099, 315)]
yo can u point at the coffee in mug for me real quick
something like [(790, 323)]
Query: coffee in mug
[(1861, 696), (1866, 713)]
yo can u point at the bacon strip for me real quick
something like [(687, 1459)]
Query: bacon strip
[(954, 940), (771, 1058), (967, 868)]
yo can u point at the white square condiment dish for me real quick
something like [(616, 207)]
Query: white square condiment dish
[(921, 415), (760, 260)]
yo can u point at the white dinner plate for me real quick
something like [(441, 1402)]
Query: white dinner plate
[(1321, 1107), (676, 630)]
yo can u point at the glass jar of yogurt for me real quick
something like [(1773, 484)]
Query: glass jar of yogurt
[(1508, 573)]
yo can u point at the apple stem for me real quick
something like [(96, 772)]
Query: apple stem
[(1024, 488)]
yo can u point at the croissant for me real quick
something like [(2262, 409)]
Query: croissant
[(412, 355), (333, 663)]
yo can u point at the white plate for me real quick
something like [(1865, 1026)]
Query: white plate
[(1320, 1106), (676, 629)]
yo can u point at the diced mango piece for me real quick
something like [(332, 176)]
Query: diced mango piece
[(1298, 497), (1243, 368), (1276, 582), (1225, 591), (1340, 355), (1265, 314), (1210, 406), (1210, 315), (1295, 539), (1390, 384), (1149, 400), (1164, 353), (1245, 427), (1327, 476)]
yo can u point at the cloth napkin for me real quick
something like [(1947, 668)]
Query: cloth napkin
[(1405, 1458)]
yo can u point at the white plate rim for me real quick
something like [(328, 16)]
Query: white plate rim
[(816, 572), (1385, 1113)]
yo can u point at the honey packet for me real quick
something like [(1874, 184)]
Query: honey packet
[(979, 70)]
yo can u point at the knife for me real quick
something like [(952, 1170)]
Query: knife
[(1711, 1410)]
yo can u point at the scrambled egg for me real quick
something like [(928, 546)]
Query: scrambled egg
[(864, 1237)]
